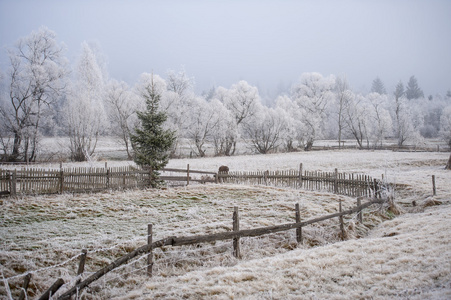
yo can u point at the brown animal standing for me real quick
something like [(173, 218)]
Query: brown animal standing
[(223, 169)]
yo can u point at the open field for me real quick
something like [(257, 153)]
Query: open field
[(407, 256)]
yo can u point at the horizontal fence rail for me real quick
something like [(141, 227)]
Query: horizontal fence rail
[(198, 239)]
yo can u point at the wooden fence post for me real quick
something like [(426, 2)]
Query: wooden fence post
[(81, 265), (375, 188), (13, 183), (434, 191), (52, 290), (336, 182), (265, 175), (298, 220), (150, 252), (107, 177), (360, 213), (61, 181), (26, 282), (236, 227), (342, 227), (187, 174), (300, 175)]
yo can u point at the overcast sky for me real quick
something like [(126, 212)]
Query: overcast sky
[(269, 43)]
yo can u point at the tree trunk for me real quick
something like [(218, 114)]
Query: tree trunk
[(16, 146), (448, 165), (309, 145)]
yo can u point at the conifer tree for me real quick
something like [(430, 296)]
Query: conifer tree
[(152, 142), (413, 91), (378, 87)]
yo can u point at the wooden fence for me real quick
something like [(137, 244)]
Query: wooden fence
[(43, 181), (77, 180), (176, 180), (354, 185), (234, 235)]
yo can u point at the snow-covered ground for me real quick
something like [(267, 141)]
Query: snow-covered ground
[(405, 257)]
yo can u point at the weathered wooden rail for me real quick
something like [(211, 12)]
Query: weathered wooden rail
[(235, 235), (207, 177)]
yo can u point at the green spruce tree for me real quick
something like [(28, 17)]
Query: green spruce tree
[(151, 141)]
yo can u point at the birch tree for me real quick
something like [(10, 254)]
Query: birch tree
[(35, 80), (85, 114), (343, 97)]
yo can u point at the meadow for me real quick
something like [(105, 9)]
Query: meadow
[(388, 256)]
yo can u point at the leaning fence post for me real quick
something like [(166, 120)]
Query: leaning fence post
[(434, 191), (52, 290), (342, 227), (236, 227), (81, 265), (298, 220), (150, 252), (26, 282)]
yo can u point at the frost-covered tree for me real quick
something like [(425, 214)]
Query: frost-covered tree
[(380, 119), (203, 121), (152, 142), (292, 132), (448, 94), (179, 82), (431, 111), (356, 117), (34, 82), (243, 102), (407, 121), (225, 131), (445, 125), (122, 105), (84, 112), (378, 86), (265, 130), (313, 94), (343, 97), (413, 91)]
